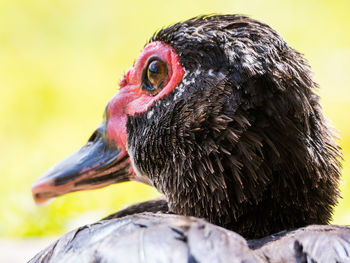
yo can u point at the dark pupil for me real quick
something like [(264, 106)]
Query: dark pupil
[(153, 67), (154, 77)]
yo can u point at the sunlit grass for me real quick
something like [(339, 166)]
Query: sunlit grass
[(61, 61)]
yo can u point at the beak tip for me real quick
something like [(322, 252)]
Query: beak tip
[(38, 193), (42, 201)]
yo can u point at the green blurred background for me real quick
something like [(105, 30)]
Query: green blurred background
[(61, 61)]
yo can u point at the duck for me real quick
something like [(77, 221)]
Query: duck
[(221, 116)]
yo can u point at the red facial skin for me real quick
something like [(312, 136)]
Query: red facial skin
[(132, 99), (129, 100)]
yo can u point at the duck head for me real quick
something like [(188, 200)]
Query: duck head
[(220, 115), (105, 160)]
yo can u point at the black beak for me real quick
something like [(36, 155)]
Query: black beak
[(97, 164)]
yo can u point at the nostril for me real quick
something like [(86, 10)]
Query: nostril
[(93, 136)]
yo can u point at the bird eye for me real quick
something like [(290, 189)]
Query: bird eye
[(154, 76)]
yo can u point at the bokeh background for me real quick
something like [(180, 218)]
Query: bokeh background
[(61, 61)]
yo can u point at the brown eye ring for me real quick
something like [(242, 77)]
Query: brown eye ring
[(154, 75)]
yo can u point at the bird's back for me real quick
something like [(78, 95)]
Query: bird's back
[(158, 237)]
